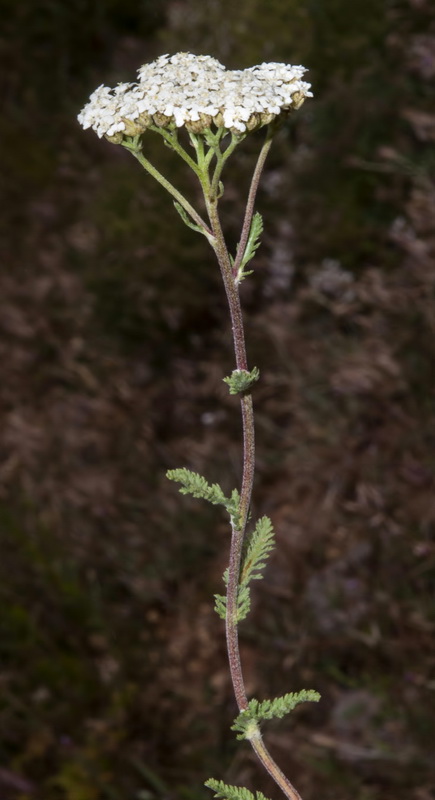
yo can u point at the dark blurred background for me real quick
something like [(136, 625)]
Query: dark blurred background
[(114, 341)]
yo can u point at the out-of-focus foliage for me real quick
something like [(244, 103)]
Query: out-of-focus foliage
[(114, 341)]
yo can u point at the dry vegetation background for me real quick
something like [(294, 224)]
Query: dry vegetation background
[(114, 341)]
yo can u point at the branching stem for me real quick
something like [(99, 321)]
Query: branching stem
[(221, 157), (171, 139), (171, 189)]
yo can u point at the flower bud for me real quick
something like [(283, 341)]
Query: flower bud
[(132, 128), (116, 138), (161, 120), (200, 125), (219, 120), (298, 99)]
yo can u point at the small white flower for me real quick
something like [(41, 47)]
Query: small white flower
[(186, 88)]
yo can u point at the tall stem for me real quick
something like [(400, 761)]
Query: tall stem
[(248, 456), (232, 636)]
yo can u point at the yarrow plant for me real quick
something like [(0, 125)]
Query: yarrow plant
[(217, 108)]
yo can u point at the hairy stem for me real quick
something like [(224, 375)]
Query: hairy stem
[(232, 292), (171, 139), (248, 457), (221, 157), (272, 768), (251, 201)]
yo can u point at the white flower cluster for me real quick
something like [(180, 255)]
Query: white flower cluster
[(195, 91)]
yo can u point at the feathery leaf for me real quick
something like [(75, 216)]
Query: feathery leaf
[(251, 246), (197, 486), (220, 605), (226, 792), (269, 709), (241, 380), (185, 217), (243, 601), (260, 544), (232, 506)]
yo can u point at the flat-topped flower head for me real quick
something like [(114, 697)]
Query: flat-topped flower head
[(196, 92)]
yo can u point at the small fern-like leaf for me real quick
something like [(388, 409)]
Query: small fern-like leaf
[(270, 709), (280, 706), (241, 380), (184, 216), (220, 605), (251, 245), (197, 486), (226, 792), (233, 506), (243, 601), (260, 544)]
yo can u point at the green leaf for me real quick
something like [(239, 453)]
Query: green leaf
[(186, 219), (243, 601), (226, 792), (251, 246), (269, 709), (260, 544), (242, 274), (233, 505), (220, 605), (241, 380), (197, 486)]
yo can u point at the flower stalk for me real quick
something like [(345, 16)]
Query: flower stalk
[(218, 108)]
